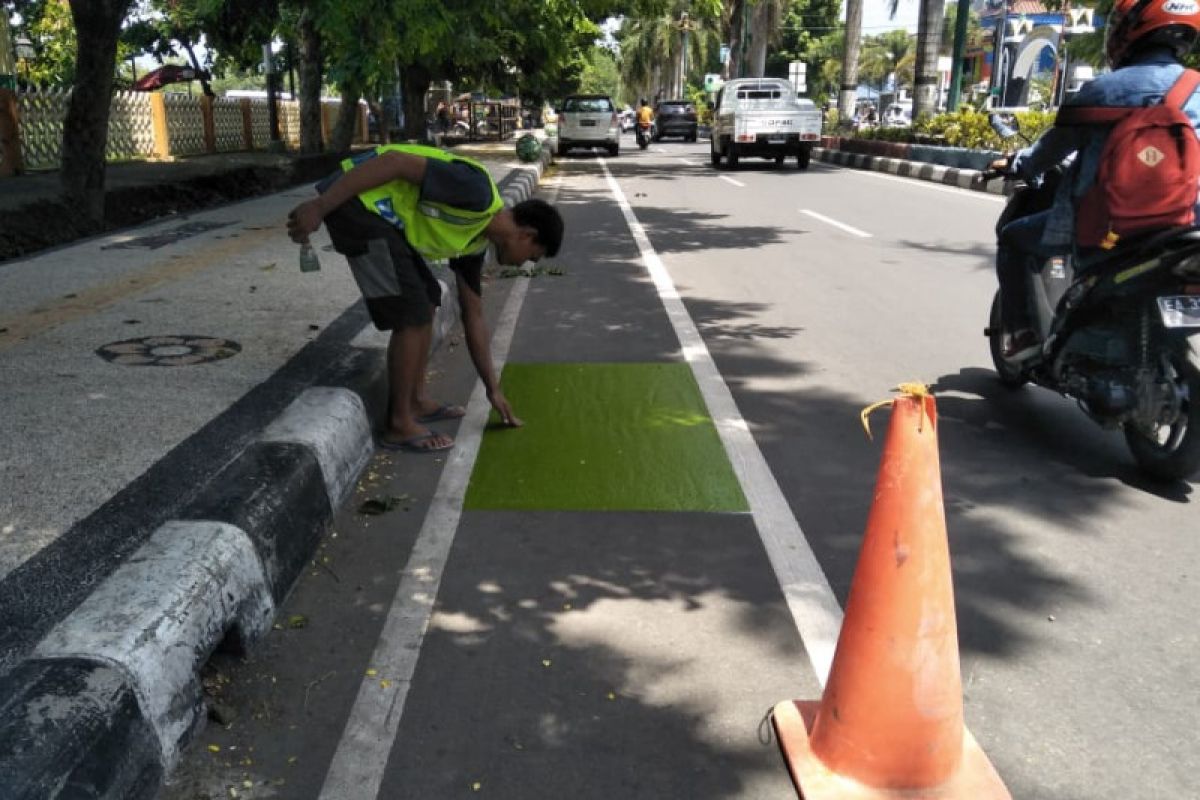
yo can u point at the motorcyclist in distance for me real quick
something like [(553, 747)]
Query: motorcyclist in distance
[(1145, 41), (645, 119)]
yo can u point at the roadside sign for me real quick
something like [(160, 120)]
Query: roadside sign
[(798, 74), (713, 82), (724, 54)]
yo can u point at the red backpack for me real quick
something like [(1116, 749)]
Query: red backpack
[(1149, 174)]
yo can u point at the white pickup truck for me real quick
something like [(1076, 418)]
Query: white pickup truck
[(763, 117)]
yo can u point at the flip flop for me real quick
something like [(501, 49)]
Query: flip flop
[(443, 412), (413, 444)]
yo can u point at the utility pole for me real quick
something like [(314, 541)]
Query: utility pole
[(1000, 58), (685, 25), (960, 36)]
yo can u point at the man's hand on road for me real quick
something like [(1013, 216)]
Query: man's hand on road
[(500, 403), (304, 219)]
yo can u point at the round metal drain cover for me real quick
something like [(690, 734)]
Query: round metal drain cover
[(168, 351)]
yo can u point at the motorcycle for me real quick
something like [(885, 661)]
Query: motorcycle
[(1120, 332), (644, 133)]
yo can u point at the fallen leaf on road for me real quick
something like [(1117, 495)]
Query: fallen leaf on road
[(297, 621)]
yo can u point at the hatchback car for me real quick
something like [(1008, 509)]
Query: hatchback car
[(675, 118), (588, 120)]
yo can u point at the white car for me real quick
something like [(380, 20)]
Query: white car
[(588, 120)]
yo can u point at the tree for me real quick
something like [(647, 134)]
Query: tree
[(48, 25), (806, 26), (882, 55), (601, 76), (85, 129), (929, 35), (848, 97)]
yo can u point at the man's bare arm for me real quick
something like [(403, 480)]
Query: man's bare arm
[(306, 217), (479, 346)]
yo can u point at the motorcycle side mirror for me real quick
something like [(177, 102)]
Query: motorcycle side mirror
[(1006, 126)]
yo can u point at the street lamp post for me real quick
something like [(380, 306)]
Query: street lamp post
[(25, 53), (685, 25)]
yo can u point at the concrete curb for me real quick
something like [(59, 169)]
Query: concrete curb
[(112, 695), (949, 176)]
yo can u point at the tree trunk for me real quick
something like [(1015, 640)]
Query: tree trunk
[(347, 121), (311, 64), (760, 34), (736, 18), (85, 129), (848, 96), (929, 40), (414, 82)]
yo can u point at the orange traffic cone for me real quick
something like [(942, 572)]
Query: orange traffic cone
[(890, 723)]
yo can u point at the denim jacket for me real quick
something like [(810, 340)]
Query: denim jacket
[(1142, 82)]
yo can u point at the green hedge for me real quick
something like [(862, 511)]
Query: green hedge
[(964, 128)]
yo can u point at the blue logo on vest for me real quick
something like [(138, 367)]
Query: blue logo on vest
[(385, 209)]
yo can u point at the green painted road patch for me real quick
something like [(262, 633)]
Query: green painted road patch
[(604, 437)]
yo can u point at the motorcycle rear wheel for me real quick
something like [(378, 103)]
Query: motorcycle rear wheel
[(1172, 452), (1010, 374)]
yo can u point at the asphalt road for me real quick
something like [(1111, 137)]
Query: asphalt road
[(632, 655)]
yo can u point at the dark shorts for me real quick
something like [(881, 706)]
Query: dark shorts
[(399, 289)]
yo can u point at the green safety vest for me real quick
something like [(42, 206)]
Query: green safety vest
[(435, 230)]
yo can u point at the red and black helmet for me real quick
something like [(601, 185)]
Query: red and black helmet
[(1136, 24)]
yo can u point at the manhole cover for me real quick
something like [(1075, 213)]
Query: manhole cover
[(168, 351)]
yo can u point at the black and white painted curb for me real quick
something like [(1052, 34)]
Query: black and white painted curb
[(936, 173), (111, 695)]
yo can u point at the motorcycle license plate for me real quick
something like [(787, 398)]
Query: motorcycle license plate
[(1180, 311)]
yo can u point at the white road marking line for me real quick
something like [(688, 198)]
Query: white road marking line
[(841, 225), (810, 599), (370, 733), (685, 161), (728, 179), (933, 187)]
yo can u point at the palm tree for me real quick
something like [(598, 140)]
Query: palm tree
[(753, 26), (646, 46), (882, 55), (848, 96), (929, 36), (652, 49)]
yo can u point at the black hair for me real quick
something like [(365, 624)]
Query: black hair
[(543, 218)]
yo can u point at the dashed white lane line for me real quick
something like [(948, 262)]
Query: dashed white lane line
[(840, 225), (685, 161), (728, 179), (813, 606)]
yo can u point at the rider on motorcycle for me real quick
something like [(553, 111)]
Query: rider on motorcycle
[(1144, 42), (645, 118)]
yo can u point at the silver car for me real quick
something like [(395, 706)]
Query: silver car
[(588, 120)]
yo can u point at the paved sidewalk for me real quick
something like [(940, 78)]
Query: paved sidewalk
[(193, 412)]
